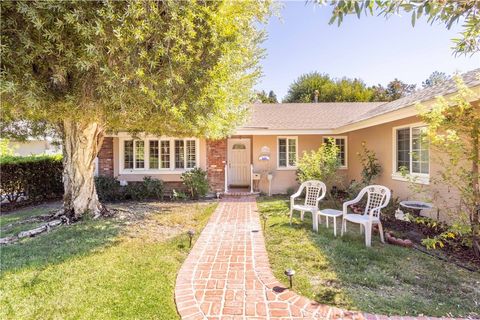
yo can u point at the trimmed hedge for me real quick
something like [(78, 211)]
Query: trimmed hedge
[(36, 177)]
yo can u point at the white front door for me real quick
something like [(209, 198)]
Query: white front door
[(239, 162)]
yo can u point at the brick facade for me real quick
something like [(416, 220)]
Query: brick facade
[(216, 160), (105, 158)]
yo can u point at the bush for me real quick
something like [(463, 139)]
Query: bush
[(371, 168), (149, 188), (319, 165), (38, 177), (196, 182), (108, 188)]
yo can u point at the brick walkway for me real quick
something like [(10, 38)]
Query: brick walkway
[(227, 274)]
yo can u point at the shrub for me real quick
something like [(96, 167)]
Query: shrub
[(154, 188), (108, 188), (319, 165), (196, 182), (149, 188), (178, 195), (38, 177), (371, 168)]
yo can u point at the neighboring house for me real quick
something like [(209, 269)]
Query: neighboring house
[(281, 133), (34, 146)]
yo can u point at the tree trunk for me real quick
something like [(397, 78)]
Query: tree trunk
[(81, 143), (474, 217)]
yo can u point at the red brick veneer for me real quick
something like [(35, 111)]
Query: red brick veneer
[(105, 158), (216, 159)]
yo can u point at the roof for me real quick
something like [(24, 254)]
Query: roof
[(471, 79), (305, 116), (332, 115)]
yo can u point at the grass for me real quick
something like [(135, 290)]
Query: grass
[(122, 267), (383, 279)]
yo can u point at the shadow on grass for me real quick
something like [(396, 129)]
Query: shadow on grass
[(59, 245), (383, 279)]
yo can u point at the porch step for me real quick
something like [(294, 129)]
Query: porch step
[(238, 194)]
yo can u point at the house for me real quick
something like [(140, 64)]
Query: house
[(276, 135), (35, 146)]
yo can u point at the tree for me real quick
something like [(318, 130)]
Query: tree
[(446, 12), (435, 78), (327, 89), (272, 97), (262, 97), (395, 89), (162, 67), (453, 129)]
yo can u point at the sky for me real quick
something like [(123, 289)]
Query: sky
[(371, 48)]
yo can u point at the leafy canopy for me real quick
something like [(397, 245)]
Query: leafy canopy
[(329, 90), (435, 78), (164, 67), (446, 12)]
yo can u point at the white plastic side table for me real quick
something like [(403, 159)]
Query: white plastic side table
[(330, 213)]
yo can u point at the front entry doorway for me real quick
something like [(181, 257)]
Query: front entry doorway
[(239, 162)]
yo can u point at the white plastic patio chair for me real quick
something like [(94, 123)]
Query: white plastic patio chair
[(378, 197), (315, 191)]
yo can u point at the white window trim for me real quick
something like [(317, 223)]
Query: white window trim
[(147, 170), (345, 138), (287, 167), (420, 178)]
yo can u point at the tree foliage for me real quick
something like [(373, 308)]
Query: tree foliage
[(174, 68), (321, 164), (264, 98), (394, 90), (329, 90), (454, 130), (131, 65), (446, 12), (435, 78)]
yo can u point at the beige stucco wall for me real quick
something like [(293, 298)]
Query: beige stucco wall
[(380, 139), (283, 179), (162, 176)]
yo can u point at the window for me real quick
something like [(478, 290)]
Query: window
[(153, 153), (165, 151), (411, 150), (160, 155), (179, 154), (287, 152), (128, 154), (341, 143), (191, 154), (139, 154)]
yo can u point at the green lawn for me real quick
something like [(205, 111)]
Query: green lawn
[(384, 279), (101, 269)]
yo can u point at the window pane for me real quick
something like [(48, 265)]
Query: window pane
[(282, 152), (191, 154), (179, 154), (128, 154), (340, 143), (153, 160), (165, 154), (292, 152), (420, 152), (139, 154), (403, 148)]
